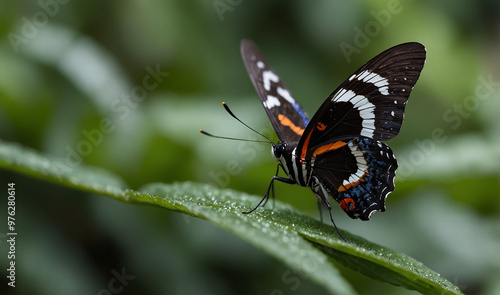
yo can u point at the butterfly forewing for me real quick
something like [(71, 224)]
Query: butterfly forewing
[(286, 115), (371, 102)]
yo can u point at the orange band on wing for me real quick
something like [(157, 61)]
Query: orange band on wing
[(329, 147), (304, 147), (349, 185), (321, 126), (285, 121)]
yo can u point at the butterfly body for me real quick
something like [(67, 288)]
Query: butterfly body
[(339, 152)]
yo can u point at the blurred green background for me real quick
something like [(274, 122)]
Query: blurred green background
[(69, 69)]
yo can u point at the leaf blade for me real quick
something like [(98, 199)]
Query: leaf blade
[(298, 240), (273, 236)]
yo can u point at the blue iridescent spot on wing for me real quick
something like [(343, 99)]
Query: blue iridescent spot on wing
[(301, 112)]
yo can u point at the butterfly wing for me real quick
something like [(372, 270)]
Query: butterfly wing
[(342, 140), (372, 101), (359, 175), (286, 115)]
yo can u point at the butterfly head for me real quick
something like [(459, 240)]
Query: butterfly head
[(278, 149)]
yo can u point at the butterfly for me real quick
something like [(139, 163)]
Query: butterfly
[(339, 153)]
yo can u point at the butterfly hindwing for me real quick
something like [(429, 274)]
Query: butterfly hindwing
[(358, 174), (286, 115)]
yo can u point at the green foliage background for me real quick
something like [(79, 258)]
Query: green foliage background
[(65, 78)]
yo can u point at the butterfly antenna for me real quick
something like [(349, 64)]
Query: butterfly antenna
[(226, 107), (230, 138)]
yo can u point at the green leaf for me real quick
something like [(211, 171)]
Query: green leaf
[(17, 158), (303, 243)]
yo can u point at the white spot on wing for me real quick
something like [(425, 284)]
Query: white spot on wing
[(370, 77), (267, 77), (286, 95), (368, 128), (363, 106), (367, 114), (361, 163), (260, 64), (272, 101), (383, 89)]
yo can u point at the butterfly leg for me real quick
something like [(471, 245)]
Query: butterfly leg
[(322, 196), (271, 185), (272, 195), (270, 188), (320, 208)]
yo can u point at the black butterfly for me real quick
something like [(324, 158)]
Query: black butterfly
[(338, 153)]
